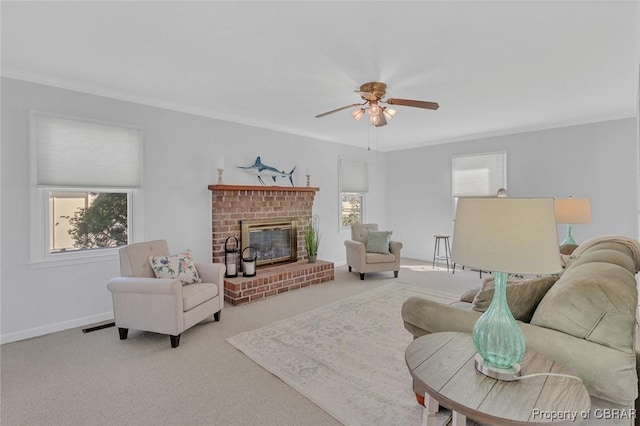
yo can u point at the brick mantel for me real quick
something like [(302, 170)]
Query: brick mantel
[(224, 187)]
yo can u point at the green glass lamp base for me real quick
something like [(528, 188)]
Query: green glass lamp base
[(496, 335), (569, 238), (506, 374)]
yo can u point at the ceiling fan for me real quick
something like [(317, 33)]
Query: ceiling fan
[(373, 94)]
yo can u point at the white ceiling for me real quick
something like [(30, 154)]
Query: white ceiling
[(494, 67)]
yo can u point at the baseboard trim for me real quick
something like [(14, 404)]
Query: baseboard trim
[(53, 328)]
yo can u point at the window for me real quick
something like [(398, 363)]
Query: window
[(87, 220), (86, 179), (354, 185), (351, 206), (479, 175)]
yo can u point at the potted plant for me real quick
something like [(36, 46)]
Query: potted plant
[(312, 240)]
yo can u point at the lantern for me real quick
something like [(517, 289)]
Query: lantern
[(249, 257), (231, 257)]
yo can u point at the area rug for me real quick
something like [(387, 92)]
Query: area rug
[(347, 357)]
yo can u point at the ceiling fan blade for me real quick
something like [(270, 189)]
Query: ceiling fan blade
[(412, 103), (338, 109)]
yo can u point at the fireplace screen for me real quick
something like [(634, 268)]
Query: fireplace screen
[(275, 241)]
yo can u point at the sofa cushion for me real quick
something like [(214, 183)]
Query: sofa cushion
[(195, 294), (595, 299), (523, 296), (378, 242), (178, 266)]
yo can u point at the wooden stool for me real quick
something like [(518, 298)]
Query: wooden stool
[(436, 250)]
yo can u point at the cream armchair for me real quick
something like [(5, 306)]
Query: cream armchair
[(361, 260), (143, 302)]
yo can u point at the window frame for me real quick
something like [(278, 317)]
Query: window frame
[(40, 253)]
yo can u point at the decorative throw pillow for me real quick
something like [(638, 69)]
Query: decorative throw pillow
[(469, 295), (378, 242), (178, 266), (523, 296)]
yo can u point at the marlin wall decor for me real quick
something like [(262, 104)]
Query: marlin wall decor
[(262, 170)]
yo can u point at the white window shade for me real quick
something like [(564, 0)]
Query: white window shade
[(479, 175), (354, 176), (82, 153)]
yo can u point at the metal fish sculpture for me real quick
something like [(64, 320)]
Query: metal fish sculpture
[(262, 170)]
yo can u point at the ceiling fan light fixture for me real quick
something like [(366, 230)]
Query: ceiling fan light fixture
[(357, 114), (388, 113), (374, 109), (378, 120), (372, 94)]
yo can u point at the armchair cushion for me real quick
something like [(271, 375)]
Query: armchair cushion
[(178, 266), (195, 294), (379, 258), (378, 242)]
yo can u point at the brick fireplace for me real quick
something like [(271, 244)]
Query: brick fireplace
[(233, 204)]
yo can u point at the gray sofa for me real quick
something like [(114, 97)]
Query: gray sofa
[(586, 320)]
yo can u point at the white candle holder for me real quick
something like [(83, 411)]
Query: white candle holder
[(220, 173), (308, 180)]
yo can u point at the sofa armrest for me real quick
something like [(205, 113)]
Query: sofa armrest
[(211, 272), (144, 285), (423, 316)]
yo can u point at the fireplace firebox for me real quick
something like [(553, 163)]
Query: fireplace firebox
[(275, 240)]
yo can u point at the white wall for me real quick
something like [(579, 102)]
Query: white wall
[(413, 196), (597, 161), (181, 152)]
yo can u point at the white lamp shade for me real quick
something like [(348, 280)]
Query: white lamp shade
[(512, 235), (572, 210)]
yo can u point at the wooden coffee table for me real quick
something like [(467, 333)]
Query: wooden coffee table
[(443, 364)]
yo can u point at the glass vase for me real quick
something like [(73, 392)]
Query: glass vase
[(569, 238), (496, 335)]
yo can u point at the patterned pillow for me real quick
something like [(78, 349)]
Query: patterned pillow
[(178, 266)]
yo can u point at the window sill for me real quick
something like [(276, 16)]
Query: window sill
[(66, 259)]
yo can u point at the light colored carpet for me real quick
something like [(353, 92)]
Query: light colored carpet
[(72, 378), (348, 356)]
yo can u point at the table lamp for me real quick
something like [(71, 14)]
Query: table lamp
[(571, 211), (504, 235)]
